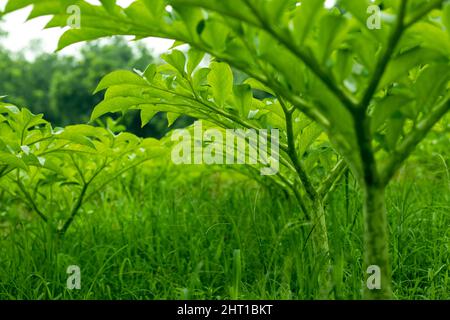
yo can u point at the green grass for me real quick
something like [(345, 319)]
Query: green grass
[(212, 237)]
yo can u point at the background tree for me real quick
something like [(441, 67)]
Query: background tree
[(61, 86)]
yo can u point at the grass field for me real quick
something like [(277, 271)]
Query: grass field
[(154, 236)]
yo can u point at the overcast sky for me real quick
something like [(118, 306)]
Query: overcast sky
[(21, 34)]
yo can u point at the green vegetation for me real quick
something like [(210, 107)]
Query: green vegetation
[(350, 105), (143, 239), (61, 86)]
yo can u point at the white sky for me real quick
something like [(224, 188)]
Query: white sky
[(22, 33)]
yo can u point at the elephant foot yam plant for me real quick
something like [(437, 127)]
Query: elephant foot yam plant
[(79, 161), (342, 93), (309, 167)]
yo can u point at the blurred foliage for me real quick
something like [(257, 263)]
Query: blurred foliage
[(62, 87)]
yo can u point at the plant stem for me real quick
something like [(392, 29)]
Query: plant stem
[(347, 199), (74, 211), (319, 233), (292, 153), (376, 240)]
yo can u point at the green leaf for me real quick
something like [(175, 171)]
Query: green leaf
[(386, 108), (79, 134), (446, 17), (119, 104), (47, 7), (215, 35), (120, 77), (12, 160), (220, 78), (243, 96), (30, 120), (255, 84), (177, 59), (400, 66), (358, 9), (307, 137), (17, 4), (155, 8), (332, 33), (109, 5), (194, 58), (73, 36), (394, 129), (432, 36), (344, 65), (191, 17), (150, 73), (304, 18), (200, 78), (431, 84), (275, 10), (171, 118), (147, 114), (125, 90)]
